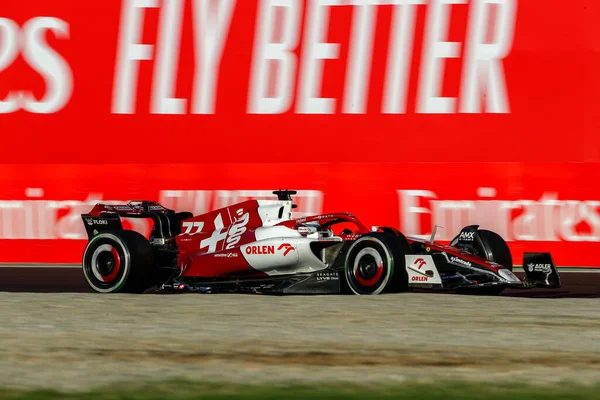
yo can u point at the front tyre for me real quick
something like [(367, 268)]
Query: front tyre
[(118, 261), (375, 264), (493, 248)]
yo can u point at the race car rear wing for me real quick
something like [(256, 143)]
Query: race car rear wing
[(140, 208), (105, 217)]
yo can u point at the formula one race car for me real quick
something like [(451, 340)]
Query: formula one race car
[(255, 246)]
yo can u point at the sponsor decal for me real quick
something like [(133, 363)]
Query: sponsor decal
[(450, 276), (316, 218), (91, 221), (123, 208), (417, 265), (545, 268), (260, 250), (467, 236), (327, 276), (230, 236), (419, 262), (237, 229), (226, 255), (286, 247), (460, 261), (269, 249), (306, 230), (422, 269)]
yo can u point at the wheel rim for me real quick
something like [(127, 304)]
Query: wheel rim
[(368, 267), (106, 263)]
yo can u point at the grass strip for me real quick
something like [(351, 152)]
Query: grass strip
[(426, 391)]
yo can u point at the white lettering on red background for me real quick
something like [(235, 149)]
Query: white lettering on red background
[(211, 19), (30, 42), (545, 219), (282, 73), (267, 51), (260, 249), (37, 218), (310, 202)]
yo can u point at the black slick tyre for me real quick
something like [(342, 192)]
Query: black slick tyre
[(493, 248), (118, 262), (375, 264)]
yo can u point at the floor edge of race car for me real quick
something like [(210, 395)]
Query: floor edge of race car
[(516, 268), (68, 278)]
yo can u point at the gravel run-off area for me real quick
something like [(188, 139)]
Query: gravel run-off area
[(79, 341)]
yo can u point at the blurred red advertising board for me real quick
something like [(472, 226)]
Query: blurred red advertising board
[(299, 80), (450, 102), (534, 206)]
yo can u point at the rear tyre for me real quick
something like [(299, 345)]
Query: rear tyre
[(493, 248), (118, 261), (375, 264)]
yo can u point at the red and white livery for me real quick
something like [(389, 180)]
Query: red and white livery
[(256, 246)]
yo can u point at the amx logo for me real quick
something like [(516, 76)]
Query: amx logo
[(467, 236), (286, 247)]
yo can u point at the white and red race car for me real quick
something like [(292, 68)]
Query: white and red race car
[(256, 246)]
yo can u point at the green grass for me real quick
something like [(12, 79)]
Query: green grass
[(437, 391)]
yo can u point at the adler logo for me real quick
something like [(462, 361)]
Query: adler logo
[(545, 268)]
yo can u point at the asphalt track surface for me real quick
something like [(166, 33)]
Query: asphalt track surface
[(69, 279)]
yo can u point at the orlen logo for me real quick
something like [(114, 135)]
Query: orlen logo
[(420, 262), (286, 247), (419, 278), (260, 250)]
